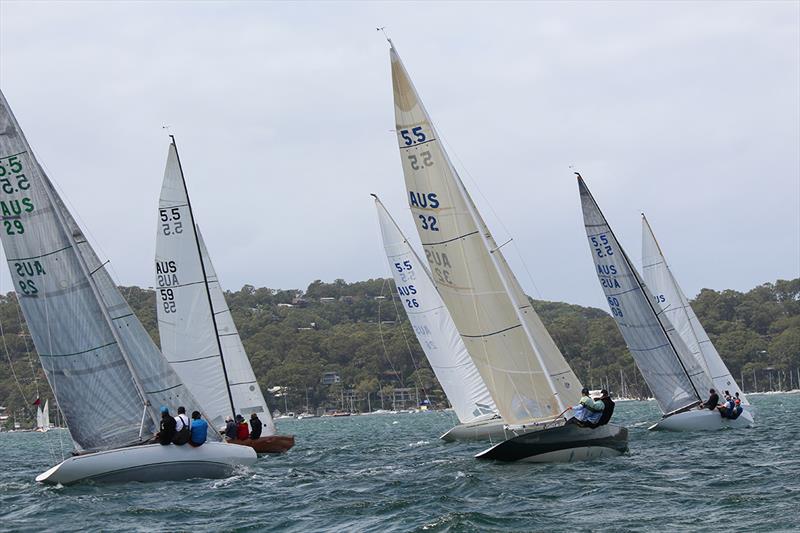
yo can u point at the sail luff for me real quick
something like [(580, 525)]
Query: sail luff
[(675, 305), (205, 277), (526, 373)]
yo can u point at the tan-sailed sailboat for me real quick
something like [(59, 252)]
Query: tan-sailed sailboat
[(530, 381)]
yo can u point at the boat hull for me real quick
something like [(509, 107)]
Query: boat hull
[(702, 420), (271, 444), (564, 444), (492, 429), (151, 462)]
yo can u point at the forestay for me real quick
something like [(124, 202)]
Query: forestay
[(433, 325), (185, 321), (671, 300), (662, 357), (88, 340), (247, 395), (521, 366)]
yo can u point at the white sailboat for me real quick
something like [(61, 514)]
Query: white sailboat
[(43, 417), (674, 375), (528, 378), (439, 338), (672, 302), (107, 375), (198, 335)]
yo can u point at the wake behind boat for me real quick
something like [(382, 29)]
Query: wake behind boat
[(106, 373), (528, 378)]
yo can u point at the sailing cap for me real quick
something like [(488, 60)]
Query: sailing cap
[(164, 409), (585, 390)]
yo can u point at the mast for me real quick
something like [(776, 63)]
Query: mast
[(205, 278), (641, 288)]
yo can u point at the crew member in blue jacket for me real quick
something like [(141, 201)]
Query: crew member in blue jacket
[(199, 430)]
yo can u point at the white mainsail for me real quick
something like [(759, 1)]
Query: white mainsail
[(106, 373), (433, 326), (671, 300), (521, 366), (673, 375), (198, 336), (39, 417), (46, 416), (247, 395)]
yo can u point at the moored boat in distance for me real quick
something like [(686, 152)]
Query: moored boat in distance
[(529, 380)]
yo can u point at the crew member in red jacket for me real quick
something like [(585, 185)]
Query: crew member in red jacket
[(242, 430)]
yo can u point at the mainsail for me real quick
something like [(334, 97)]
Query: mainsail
[(106, 373), (671, 300), (198, 336), (673, 375), (521, 366), (433, 325)]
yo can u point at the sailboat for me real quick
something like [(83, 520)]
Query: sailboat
[(439, 338), (529, 380), (672, 302), (43, 417), (107, 375), (198, 335), (674, 375)]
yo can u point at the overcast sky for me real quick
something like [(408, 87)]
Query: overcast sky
[(284, 117)]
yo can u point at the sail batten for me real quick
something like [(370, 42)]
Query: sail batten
[(518, 360), (675, 305)]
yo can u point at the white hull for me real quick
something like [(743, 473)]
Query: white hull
[(703, 420), (152, 462), (492, 429)]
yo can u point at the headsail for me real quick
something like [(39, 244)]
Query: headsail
[(519, 362), (247, 395), (99, 365), (671, 300), (673, 375), (46, 415), (433, 325)]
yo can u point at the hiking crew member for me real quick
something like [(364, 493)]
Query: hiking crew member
[(608, 410), (588, 411), (166, 430), (242, 431), (230, 428), (712, 402), (198, 430), (182, 428), (256, 425)]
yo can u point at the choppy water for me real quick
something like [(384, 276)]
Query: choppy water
[(391, 473)]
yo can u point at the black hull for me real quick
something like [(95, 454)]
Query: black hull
[(567, 443)]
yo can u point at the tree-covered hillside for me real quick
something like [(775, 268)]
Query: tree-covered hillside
[(360, 333)]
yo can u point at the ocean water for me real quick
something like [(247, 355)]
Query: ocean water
[(392, 473)]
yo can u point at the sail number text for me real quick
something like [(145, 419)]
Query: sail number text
[(12, 181), (601, 246), (171, 223), (407, 292), (167, 277), (413, 136)]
